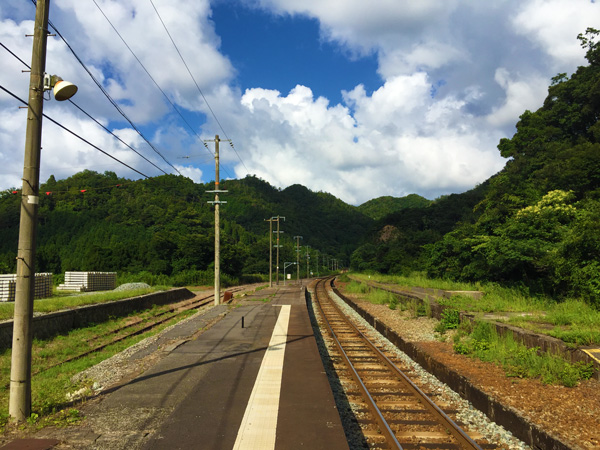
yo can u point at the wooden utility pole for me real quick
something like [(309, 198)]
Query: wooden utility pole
[(20, 369), (217, 204)]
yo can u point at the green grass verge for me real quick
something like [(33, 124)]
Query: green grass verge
[(62, 301), (50, 387), (516, 359), (417, 279), (573, 321)]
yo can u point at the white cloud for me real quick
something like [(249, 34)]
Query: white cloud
[(455, 78), (554, 24), (193, 173), (398, 140), (522, 94)]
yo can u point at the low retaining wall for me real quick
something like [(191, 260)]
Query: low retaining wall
[(502, 415), (528, 338), (61, 322)]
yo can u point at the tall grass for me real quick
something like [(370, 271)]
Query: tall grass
[(418, 279), (380, 297), (355, 287), (571, 320), (517, 360), (575, 322)]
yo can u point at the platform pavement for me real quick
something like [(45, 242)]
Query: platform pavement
[(197, 396)]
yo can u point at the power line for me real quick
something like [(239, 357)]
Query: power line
[(147, 73), (197, 86), (9, 51), (75, 134), (116, 137), (90, 116), (107, 95)]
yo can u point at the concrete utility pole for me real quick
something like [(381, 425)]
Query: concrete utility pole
[(307, 262), (270, 251), (278, 247), (271, 220), (298, 258), (217, 204), (20, 369)]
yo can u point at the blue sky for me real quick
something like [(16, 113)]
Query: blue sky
[(279, 52), (359, 99)]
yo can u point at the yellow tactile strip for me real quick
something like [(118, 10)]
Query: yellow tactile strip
[(259, 425), (593, 352)]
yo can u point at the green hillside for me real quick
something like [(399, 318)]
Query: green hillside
[(536, 224), (380, 207), (164, 225)]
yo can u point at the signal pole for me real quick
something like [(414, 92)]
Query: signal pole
[(217, 203), (298, 258)]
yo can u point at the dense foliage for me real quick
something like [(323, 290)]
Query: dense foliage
[(537, 222), (164, 225), (534, 224), (378, 208)]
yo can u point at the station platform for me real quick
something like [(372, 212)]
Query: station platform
[(253, 380)]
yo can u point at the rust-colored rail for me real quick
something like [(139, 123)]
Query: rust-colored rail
[(336, 320), (149, 324)]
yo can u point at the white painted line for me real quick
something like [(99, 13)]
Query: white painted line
[(259, 425)]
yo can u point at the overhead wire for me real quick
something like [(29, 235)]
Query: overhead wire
[(89, 115), (197, 86), (147, 72), (107, 95), (162, 91), (75, 134)]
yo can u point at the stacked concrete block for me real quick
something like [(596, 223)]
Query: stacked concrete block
[(8, 284), (89, 281)]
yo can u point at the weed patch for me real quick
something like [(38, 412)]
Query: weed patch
[(450, 320), (517, 360)]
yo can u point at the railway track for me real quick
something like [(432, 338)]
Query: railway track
[(392, 410), (136, 327)]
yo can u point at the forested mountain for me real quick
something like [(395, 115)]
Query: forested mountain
[(164, 225), (537, 222), (380, 207), (397, 243)]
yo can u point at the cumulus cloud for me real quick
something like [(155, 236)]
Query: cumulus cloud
[(455, 76), (553, 25), (522, 94), (397, 140)]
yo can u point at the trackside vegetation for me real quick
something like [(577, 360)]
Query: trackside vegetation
[(482, 341), (535, 225), (573, 321)]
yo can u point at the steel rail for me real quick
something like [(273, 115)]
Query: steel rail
[(463, 439), (376, 412), (149, 325)]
